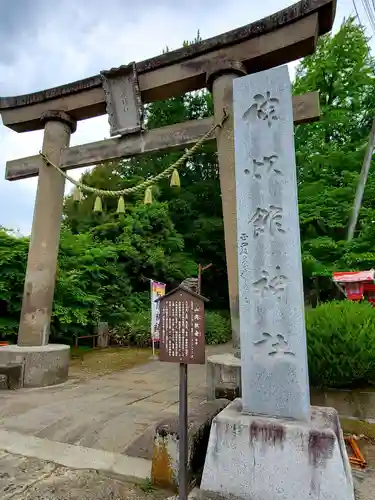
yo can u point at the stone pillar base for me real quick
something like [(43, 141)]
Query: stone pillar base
[(223, 377), (43, 365), (251, 457)]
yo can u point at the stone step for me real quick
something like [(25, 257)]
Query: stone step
[(76, 457)]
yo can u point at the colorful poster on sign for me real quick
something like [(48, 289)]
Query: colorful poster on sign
[(157, 290)]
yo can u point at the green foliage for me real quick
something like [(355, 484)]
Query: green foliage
[(341, 339), (330, 153), (217, 326), (134, 331), (13, 257), (103, 272)]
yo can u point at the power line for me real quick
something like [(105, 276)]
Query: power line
[(371, 10), (369, 13), (356, 11)]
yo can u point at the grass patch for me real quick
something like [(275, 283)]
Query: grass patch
[(357, 427), (88, 363)]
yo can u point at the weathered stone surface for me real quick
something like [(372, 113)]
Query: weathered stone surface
[(124, 106), (43, 365), (143, 446), (259, 458), (357, 403), (272, 325), (222, 93), (165, 460), (36, 311), (3, 382), (13, 375), (223, 376)]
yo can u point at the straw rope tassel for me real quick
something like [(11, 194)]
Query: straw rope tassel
[(77, 194), (121, 205), (148, 196), (175, 179), (98, 204)]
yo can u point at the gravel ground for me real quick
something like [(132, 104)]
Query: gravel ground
[(364, 483), (24, 478)]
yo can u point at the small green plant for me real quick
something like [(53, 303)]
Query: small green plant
[(217, 325), (147, 486), (341, 344)]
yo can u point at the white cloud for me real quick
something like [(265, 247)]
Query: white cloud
[(69, 41)]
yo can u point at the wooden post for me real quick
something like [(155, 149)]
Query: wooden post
[(44, 243), (223, 99), (200, 271)]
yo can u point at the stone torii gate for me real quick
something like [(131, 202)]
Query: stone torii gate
[(214, 63)]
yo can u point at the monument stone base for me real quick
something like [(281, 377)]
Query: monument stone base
[(223, 377), (257, 458), (42, 365)]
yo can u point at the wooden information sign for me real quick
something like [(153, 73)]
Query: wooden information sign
[(182, 341), (182, 327)]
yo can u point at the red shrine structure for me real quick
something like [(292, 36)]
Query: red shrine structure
[(358, 285)]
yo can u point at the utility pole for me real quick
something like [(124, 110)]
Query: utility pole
[(362, 183)]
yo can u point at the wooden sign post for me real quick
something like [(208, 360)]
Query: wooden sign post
[(182, 341)]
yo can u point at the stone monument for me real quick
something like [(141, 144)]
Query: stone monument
[(271, 445)]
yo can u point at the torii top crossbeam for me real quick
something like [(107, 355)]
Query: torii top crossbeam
[(278, 39)]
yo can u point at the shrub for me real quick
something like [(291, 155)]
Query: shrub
[(135, 331), (341, 344), (218, 330)]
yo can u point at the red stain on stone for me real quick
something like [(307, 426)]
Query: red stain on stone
[(321, 445), (267, 433)]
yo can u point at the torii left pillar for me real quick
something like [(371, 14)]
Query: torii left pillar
[(43, 363)]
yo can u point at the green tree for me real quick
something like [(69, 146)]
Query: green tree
[(330, 152), (13, 257)]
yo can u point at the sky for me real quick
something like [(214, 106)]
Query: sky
[(45, 43)]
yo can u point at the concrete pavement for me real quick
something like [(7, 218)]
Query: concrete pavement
[(106, 413)]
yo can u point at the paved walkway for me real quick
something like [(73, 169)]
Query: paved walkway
[(106, 413)]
